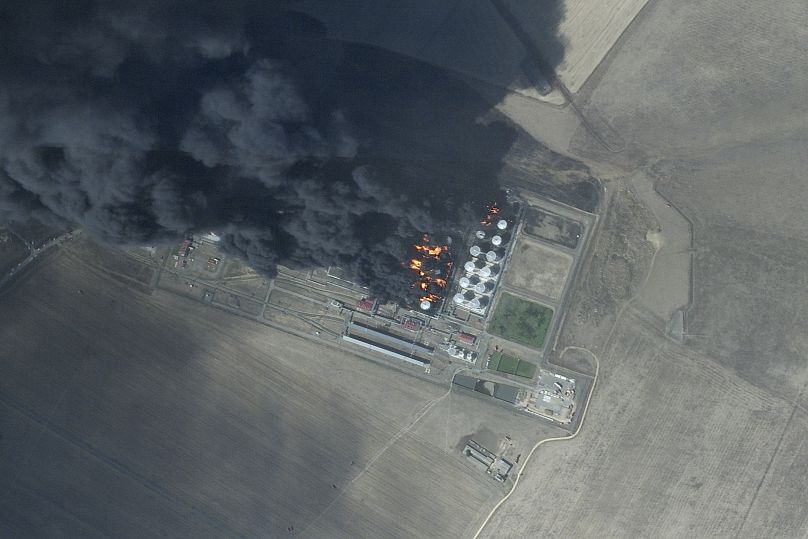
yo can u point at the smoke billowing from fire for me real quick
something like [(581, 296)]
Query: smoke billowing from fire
[(144, 121)]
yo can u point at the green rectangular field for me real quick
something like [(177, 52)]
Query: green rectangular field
[(493, 363), (521, 321), (525, 369), (508, 364)]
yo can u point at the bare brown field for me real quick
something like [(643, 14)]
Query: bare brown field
[(250, 286), (674, 445), (538, 269), (136, 415)]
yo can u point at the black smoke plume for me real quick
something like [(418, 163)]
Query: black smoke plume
[(145, 121)]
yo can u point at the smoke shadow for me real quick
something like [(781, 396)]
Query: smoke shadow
[(424, 131)]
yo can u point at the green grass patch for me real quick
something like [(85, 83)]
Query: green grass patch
[(493, 363), (522, 321), (511, 365), (525, 369), (508, 364)]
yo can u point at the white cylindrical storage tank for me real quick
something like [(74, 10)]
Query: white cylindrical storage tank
[(502, 224), (496, 240), (426, 305), (485, 272), (491, 256), (479, 288), (469, 266), (464, 282), (458, 298), (475, 250), (480, 234), (474, 304)]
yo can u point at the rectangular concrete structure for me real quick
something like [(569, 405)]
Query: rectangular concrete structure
[(392, 353)]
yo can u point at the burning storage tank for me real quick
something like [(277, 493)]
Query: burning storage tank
[(431, 265)]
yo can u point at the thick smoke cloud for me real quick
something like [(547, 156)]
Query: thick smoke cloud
[(142, 122)]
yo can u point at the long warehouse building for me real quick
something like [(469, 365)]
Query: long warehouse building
[(366, 343), (393, 340)]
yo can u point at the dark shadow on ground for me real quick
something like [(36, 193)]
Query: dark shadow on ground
[(112, 426)]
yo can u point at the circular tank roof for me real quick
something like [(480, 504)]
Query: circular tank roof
[(502, 224), (464, 282), (480, 234), (490, 256), (496, 240), (426, 305), (485, 272), (470, 266), (475, 250)]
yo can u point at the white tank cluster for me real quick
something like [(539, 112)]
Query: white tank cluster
[(482, 269)]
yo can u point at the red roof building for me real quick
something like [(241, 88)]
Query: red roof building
[(366, 304)]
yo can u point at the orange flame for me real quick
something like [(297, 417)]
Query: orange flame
[(428, 279), (493, 211)]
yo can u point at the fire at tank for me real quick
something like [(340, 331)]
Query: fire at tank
[(431, 264)]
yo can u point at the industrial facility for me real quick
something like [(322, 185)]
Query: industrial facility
[(481, 272), (554, 397), (486, 461)]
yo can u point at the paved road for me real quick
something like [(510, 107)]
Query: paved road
[(36, 252)]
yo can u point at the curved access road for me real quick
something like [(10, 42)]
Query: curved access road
[(547, 440)]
